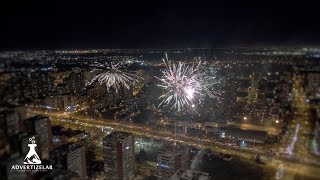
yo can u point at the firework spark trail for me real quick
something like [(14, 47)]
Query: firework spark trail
[(116, 76), (182, 83)]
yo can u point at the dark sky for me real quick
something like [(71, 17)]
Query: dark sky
[(158, 24)]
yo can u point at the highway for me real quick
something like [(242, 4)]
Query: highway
[(296, 142), (289, 166), (244, 126)]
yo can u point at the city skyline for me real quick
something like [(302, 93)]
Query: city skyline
[(262, 124)]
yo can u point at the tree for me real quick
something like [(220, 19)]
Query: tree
[(142, 156)]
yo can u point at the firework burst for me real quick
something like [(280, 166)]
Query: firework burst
[(182, 83), (116, 76)]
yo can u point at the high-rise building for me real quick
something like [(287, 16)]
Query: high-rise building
[(75, 82), (10, 127), (41, 84), (71, 157), (66, 102), (170, 159), (313, 82), (253, 89), (10, 122), (40, 125), (6, 163), (19, 143), (4, 144), (119, 156)]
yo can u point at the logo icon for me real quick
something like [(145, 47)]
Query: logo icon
[(32, 156)]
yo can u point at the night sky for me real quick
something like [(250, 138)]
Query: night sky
[(158, 24)]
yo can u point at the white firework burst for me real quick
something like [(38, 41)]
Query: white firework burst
[(116, 76), (185, 83), (181, 83)]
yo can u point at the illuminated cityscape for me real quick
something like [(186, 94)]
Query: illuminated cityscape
[(266, 116), (110, 99)]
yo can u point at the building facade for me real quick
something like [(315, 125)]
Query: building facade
[(119, 156), (71, 157), (170, 159), (40, 125)]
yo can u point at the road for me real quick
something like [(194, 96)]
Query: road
[(291, 167), (297, 140), (244, 126)]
